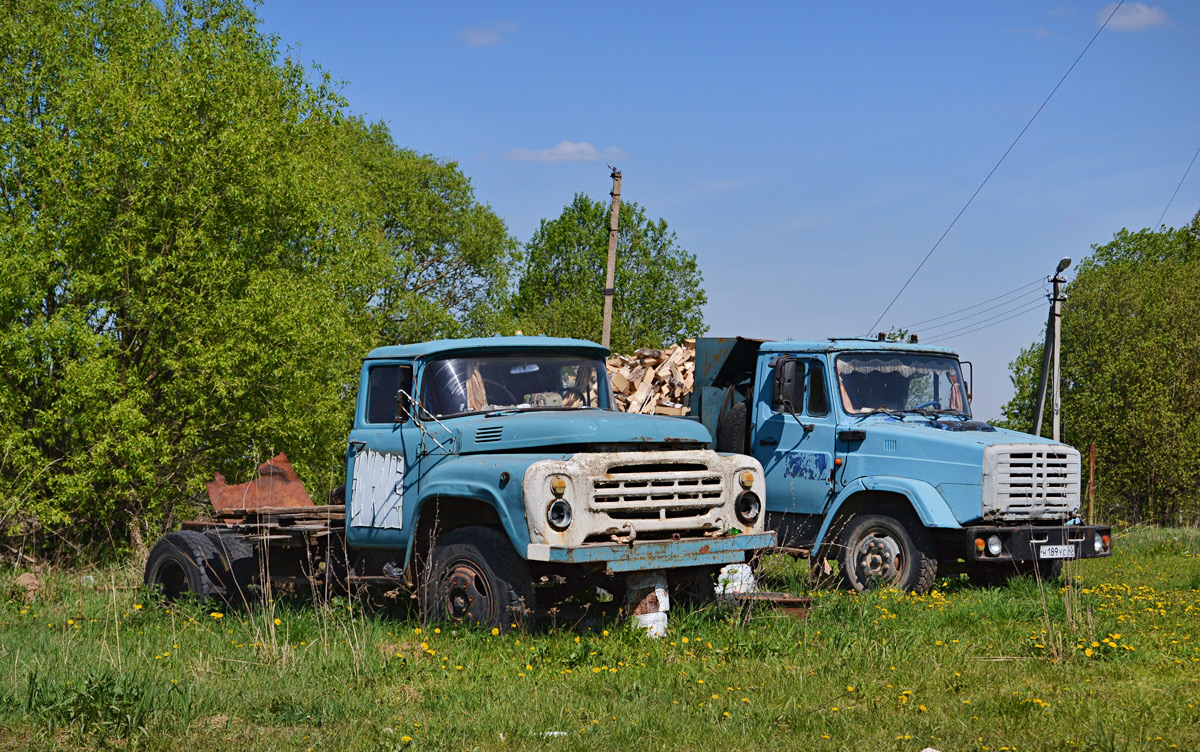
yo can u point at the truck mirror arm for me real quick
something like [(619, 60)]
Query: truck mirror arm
[(421, 412), (808, 427)]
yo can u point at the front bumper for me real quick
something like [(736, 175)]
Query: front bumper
[(1031, 542), (658, 554)]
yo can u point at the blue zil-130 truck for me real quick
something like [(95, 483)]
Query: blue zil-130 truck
[(873, 461), (485, 475)]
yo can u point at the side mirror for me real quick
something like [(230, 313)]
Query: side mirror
[(970, 380), (785, 384)]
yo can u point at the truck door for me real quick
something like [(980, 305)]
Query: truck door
[(382, 451), (795, 445)]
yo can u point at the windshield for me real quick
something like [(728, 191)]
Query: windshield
[(901, 382), (550, 381)]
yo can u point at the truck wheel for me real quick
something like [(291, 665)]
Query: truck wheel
[(238, 570), (731, 429), (183, 562), (878, 550), (476, 577)]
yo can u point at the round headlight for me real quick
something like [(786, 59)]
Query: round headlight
[(558, 514), (747, 507), (558, 485), (994, 546), (746, 478), (1098, 542)]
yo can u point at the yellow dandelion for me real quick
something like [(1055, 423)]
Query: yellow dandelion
[(495, 631), (278, 622), (217, 615)]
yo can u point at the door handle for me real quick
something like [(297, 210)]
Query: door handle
[(357, 445), (768, 442)]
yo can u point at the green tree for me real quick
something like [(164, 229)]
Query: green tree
[(450, 256), (1131, 372), (659, 297), (197, 246), (174, 299)]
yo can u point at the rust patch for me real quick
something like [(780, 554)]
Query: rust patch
[(277, 485)]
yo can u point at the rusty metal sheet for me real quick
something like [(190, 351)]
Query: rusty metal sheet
[(277, 485)]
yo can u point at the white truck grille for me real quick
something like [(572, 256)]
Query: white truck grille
[(1030, 482), (623, 496)]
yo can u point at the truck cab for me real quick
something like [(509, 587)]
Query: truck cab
[(874, 461), (479, 468)]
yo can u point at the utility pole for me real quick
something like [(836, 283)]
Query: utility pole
[(1057, 302), (1051, 359), (610, 278)]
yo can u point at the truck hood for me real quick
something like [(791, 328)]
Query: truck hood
[(947, 432), (946, 454), (555, 428)]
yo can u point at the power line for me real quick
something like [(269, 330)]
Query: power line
[(1013, 304), (996, 167), (1028, 305), (1185, 174), (1038, 281), (949, 336)]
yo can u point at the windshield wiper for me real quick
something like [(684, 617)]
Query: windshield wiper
[(949, 411), (885, 410)]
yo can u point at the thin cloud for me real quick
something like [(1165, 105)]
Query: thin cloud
[(489, 36), (1037, 31), (1133, 17), (568, 151)]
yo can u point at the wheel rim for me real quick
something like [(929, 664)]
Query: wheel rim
[(468, 596), (171, 580), (879, 557)]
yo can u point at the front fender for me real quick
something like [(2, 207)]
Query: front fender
[(479, 479), (931, 508)]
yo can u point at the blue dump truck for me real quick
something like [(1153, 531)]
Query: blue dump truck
[(874, 462), (486, 475)]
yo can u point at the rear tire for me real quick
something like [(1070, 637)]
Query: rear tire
[(183, 563), (731, 429), (238, 573), (476, 577), (879, 550)]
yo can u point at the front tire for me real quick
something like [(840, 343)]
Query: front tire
[(877, 550), (476, 577)]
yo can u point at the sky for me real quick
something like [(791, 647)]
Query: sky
[(809, 154)]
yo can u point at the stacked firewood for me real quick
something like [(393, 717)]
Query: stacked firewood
[(654, 381)]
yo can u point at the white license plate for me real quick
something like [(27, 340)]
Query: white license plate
[(1057, 552)]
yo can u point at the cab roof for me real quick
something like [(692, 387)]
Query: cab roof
[(491, 344), (834, 344)]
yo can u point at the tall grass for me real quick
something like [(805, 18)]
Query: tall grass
[(1107, 659)]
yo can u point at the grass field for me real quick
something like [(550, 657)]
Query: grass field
[(1110, 662)]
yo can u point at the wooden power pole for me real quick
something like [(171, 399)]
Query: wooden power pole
[(610, 278)]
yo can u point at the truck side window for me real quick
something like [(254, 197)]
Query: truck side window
[(382, 384), (818, 401)]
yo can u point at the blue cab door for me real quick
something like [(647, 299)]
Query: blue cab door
[(796, 451), (381, 459)]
